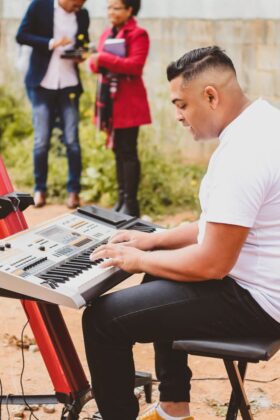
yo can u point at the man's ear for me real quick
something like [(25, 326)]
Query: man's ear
[(212, 96)]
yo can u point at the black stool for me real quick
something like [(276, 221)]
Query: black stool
[(243, 351)]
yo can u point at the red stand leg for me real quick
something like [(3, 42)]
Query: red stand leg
[(49, 329)]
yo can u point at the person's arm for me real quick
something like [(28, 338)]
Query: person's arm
[(131, 65), (25, 34), (212, 259), (175, 238), (93, 59), (82, 36), (86, 23)]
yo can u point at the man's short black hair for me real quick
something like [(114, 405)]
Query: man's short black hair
[(135, 4), (194, 62)]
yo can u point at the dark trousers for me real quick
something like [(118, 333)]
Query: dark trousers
[(125, 144), (127, 161), (161, 311), (46, 106)]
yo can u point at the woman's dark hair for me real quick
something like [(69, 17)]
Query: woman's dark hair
[(191, 64), (135, 4)]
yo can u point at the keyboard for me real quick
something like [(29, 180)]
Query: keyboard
[(50, 262)]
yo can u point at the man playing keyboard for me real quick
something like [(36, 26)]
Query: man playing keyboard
[(217, 277)]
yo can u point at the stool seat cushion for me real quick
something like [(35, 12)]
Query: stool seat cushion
[(249, 349)]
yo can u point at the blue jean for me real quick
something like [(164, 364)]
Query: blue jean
[(47, 105), (161, 311)]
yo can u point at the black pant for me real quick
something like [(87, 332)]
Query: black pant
[(127, 169), (125, 144), (161, 311)]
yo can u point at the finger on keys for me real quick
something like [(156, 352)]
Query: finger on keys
[(119, 237), (109, 262), (100, 248), (101, 252), (97, 255)]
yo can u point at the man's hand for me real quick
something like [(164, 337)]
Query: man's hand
[(123, 257), (133, 238), (62, 42), (79, 60)]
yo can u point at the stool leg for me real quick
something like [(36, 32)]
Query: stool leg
[(239, 399), (148, 392), (233, 404), (145, 379)]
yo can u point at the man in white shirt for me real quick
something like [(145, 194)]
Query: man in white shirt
[(218, 277), (53, 85)]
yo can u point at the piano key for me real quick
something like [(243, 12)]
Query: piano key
[(53, 277)]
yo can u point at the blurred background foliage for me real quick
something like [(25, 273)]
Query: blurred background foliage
[(168, 183)]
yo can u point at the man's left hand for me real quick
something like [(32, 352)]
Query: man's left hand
[(79, 60)]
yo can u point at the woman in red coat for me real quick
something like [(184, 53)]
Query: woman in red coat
[(121, 103)]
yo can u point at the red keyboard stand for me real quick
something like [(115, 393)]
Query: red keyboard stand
[(49, 329)]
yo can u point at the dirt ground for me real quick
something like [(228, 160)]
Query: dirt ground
[(210, 388)]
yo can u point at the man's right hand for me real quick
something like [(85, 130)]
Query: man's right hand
[(62, 42), (134, 238)]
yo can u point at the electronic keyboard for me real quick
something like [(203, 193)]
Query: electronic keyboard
[(50, 262)]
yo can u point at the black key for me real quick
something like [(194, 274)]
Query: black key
[(73, 263), (61, 271), (50, 283), (54, 277), (71, 268)]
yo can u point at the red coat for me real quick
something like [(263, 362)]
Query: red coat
[(131, 108)]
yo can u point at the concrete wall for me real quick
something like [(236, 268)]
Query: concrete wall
[(189, 9), (253, 44)]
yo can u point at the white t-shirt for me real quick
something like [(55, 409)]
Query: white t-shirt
[(242, 187)]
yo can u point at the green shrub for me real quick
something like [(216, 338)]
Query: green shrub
[(167, 183), (15, 138)]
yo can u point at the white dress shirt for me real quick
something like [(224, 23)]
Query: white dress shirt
[(61, 73)]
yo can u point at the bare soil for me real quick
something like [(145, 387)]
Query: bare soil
[(210, 388)]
